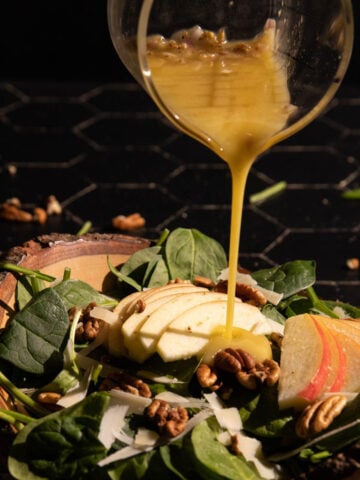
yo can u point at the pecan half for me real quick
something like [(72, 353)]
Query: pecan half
[(319, 415), (167, 420), (126, 383), (247, 293), (207, 377)]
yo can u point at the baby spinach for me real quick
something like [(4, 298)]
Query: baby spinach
[(183, 253), (212, 460), (289, 278), (62, 445), (76, 293), (35, 338), (189, 253)]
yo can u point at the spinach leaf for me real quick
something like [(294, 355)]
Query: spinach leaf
[(146, 466), (147, 267), (63, 445), (189, 252), (35, 338), (76, 293), (212, 460), (23, 292), (289, 278), (261, 415)]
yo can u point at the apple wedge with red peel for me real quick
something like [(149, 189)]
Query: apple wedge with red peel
[(319, 355), (302, 362)]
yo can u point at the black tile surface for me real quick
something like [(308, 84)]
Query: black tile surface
[(103, 149)]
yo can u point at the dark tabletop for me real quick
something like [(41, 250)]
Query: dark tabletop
[(73, 125), (103, 149)]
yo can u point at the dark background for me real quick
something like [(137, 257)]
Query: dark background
[(69, 40)]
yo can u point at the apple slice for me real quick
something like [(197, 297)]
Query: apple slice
[(305, 362), (126, 309), (132, 325), (188, 334), (319, 355), (159, 320)]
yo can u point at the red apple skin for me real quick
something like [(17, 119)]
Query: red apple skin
[(317, 384)]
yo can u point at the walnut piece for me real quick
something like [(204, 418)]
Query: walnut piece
[(319, 415), (130, 222), (126, 383), (88, 327), (168, 421)]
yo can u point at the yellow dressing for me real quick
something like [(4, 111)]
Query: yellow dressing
[(233, 97)]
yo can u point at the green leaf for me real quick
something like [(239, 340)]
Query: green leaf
[(34, 339), (63, 445), (146, 261), (76, 293), (189, 253), (213, 460), (289, 278)]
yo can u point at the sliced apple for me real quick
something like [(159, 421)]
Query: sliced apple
[(159, 320), (126, 309), (302, 357), (319, 355), (188, 334)]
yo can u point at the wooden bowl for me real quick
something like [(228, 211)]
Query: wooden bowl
[(85, 255)]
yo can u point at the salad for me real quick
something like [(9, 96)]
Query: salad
[(94, 386)]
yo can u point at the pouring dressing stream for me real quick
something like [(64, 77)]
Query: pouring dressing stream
[(232, 96)]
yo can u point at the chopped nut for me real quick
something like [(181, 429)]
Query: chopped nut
[(14, 201), (168, 421), (319, 415), (130, 222), (353, 263), (88, 327), (247, 293), (207, 377), (53, 207), (126, 383), (276, 339), (203, 282), (48, 397), (39, 215), (232, 360), (249, 373), (12, 213), (177, 280), (235, 446)]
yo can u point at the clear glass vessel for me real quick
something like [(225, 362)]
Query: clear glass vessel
[(237, 75)]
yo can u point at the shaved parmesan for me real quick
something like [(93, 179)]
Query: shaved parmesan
[(112, 421), (145, 438), (136, 404)]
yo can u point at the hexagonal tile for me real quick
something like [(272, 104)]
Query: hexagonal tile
[(7, 96), (34, 185), (105, 202), (188, 150), (321, 167), (125, 98), (41, 148), (346, 114), (329, 249), (113, 132), (317, 133), (313, 209), (128, 166), (48, 114)]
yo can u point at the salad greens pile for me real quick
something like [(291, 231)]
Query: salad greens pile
[(93, 435)]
